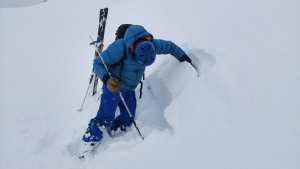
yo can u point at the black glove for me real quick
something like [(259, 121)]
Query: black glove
[(185, 58)]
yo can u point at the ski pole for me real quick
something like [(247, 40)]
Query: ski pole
[(196, 69), (130, 116), (93, 76), (86, 92), (121, 96)]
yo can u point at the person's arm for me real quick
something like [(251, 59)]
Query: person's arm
[(168, 47), (113, 54)]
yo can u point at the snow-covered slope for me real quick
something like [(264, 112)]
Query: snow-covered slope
[(243, 111), (19, 3)]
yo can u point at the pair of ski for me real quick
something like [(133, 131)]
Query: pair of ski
[(98, 43), (99, 47)]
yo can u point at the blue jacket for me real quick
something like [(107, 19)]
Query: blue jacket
[(121, 62)]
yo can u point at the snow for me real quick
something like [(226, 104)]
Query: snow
[(242, 112), (19, 3)]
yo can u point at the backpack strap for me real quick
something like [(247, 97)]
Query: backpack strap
[(122, 60), (141, 89)]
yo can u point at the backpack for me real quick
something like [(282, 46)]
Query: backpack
[(121, 31)]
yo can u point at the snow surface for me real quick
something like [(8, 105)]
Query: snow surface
[(243, 111), (19, 3)]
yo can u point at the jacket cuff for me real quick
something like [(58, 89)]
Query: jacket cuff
[(105, 78)]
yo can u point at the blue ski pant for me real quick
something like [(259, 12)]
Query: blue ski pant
[(108, 106)]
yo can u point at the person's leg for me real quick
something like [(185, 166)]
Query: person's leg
[(124, 120), (104, 117), (93, 133), (108, 107)]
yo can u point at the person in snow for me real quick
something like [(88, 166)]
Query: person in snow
[(126, 59)]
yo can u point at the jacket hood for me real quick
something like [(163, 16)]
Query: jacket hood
[(133, 33)]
